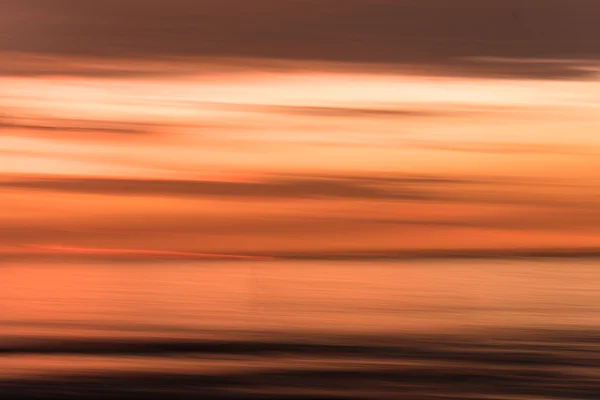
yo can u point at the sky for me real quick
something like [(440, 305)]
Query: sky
[(245, 127)]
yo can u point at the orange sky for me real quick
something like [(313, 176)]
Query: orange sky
[(213, 157)]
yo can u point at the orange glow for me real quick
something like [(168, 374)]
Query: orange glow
[(242, 160)]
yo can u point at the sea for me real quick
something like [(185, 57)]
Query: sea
[(501, 329)]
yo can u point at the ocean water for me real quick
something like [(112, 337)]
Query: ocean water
[(444, 329)]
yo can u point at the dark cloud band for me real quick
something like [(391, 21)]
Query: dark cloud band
[(428, 34)]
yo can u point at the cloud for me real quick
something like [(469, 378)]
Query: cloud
[(424, 35), (320, 111), (393, 178), (193, 232), (33, 65), (509, 219), (526, 69), (56, 126), (556, 220), (379, 188), (169, 65), (274, 188)]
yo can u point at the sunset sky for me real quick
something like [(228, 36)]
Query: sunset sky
[(268, 126)]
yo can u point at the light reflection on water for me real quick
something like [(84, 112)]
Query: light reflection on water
[(234, 330)]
